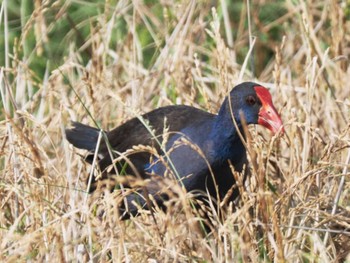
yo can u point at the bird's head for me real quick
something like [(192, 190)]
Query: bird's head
[(255, 103)]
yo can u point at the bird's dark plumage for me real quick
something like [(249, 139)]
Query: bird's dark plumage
[(198, 146)]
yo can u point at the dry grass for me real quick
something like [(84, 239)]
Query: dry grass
[(296, 205)]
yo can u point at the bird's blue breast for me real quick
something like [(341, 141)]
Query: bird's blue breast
[(186, 160)]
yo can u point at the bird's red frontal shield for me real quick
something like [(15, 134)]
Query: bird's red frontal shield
[(268, 115)]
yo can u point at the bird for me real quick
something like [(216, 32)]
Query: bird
[(195, 146)]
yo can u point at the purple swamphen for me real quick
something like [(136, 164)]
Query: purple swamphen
[(197, 148)]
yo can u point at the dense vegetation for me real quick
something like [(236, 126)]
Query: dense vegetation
[(108, 61)]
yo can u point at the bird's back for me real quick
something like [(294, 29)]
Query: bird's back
[(137, 131), (171, 118)]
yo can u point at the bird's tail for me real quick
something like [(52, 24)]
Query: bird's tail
[(82, 136)]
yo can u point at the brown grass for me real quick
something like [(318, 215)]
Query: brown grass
[(295, 206)]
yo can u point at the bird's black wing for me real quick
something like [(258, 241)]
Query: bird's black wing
[(134, 132)]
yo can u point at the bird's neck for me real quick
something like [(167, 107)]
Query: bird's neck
[(225, 136), (224, 125)]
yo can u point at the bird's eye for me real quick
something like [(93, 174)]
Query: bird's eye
[(251, 100)]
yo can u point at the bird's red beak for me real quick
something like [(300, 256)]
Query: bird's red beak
[(268, 116)]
